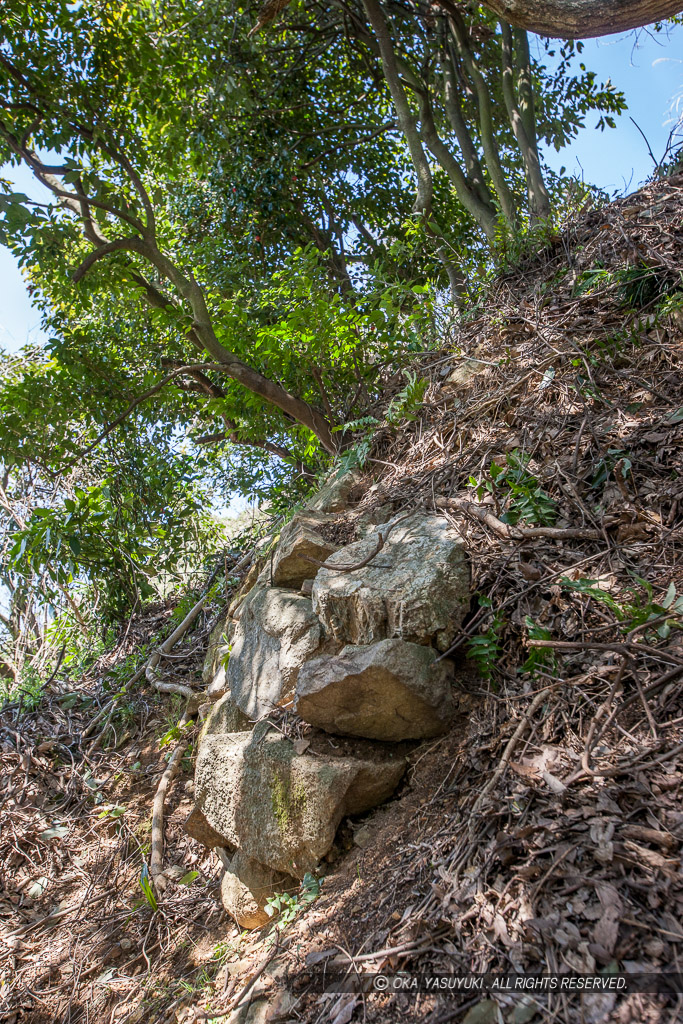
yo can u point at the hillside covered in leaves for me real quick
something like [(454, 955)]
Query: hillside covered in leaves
[(544, 831)]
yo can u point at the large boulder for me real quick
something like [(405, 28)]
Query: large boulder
[(246, 887), (276, 633), (225, 716), (197, 827), (300, 541), (417, 588), (335, 493), (280, 807), (391, 690)]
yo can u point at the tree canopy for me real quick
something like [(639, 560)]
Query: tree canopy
[(242, 226)]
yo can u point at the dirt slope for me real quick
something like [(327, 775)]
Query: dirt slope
[(544, 833)]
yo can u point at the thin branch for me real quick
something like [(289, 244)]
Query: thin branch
[(381, 541), (132, 405), (131, 244)]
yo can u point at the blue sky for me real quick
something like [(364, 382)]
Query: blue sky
[(647, 67)]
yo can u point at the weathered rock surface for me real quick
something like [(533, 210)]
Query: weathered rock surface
[(247, 885), (225, 716), (197, 827), (276, 633), (300, 540), (269, 1003), (282, 808), (391, 690), (260, 560), (333, 496), (218, 646), (417, 588), (218, 687)]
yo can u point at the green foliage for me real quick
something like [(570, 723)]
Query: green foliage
[(226, 656), (637, 607), (146, 886), (485, 648), (637, 285), (113, 811), (288, 905), (170, 728), (526, 499), (267, 173), (539, 657), (356, 455), (615, 460), (405, 406), (27, 689), (590, 280), (173, 734)]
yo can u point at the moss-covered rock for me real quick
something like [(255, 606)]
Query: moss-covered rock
[(282, 808)]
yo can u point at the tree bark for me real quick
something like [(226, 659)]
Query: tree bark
[(488, 141), (405, 116), (539, 200), (582, 19)]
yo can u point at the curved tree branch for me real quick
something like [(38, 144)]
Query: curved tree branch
[(202, 333), (582, 19)]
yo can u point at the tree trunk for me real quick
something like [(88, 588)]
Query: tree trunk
[(582, 19), (484, 214), (451, 102), (405, 116), (488, 141), (539, 200)]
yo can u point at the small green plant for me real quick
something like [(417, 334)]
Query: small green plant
[(225, 658), (485, 648), (592, 279), (637, 610), (640, 285), (288, 905), (172, 714), (405, 406), (357, 456), (174, 733), (616, 460), (526, 498), (113, 811), (637, 285), (146, 886), (539, 657)]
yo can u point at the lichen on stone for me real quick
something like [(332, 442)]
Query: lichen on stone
[(288, 801)]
